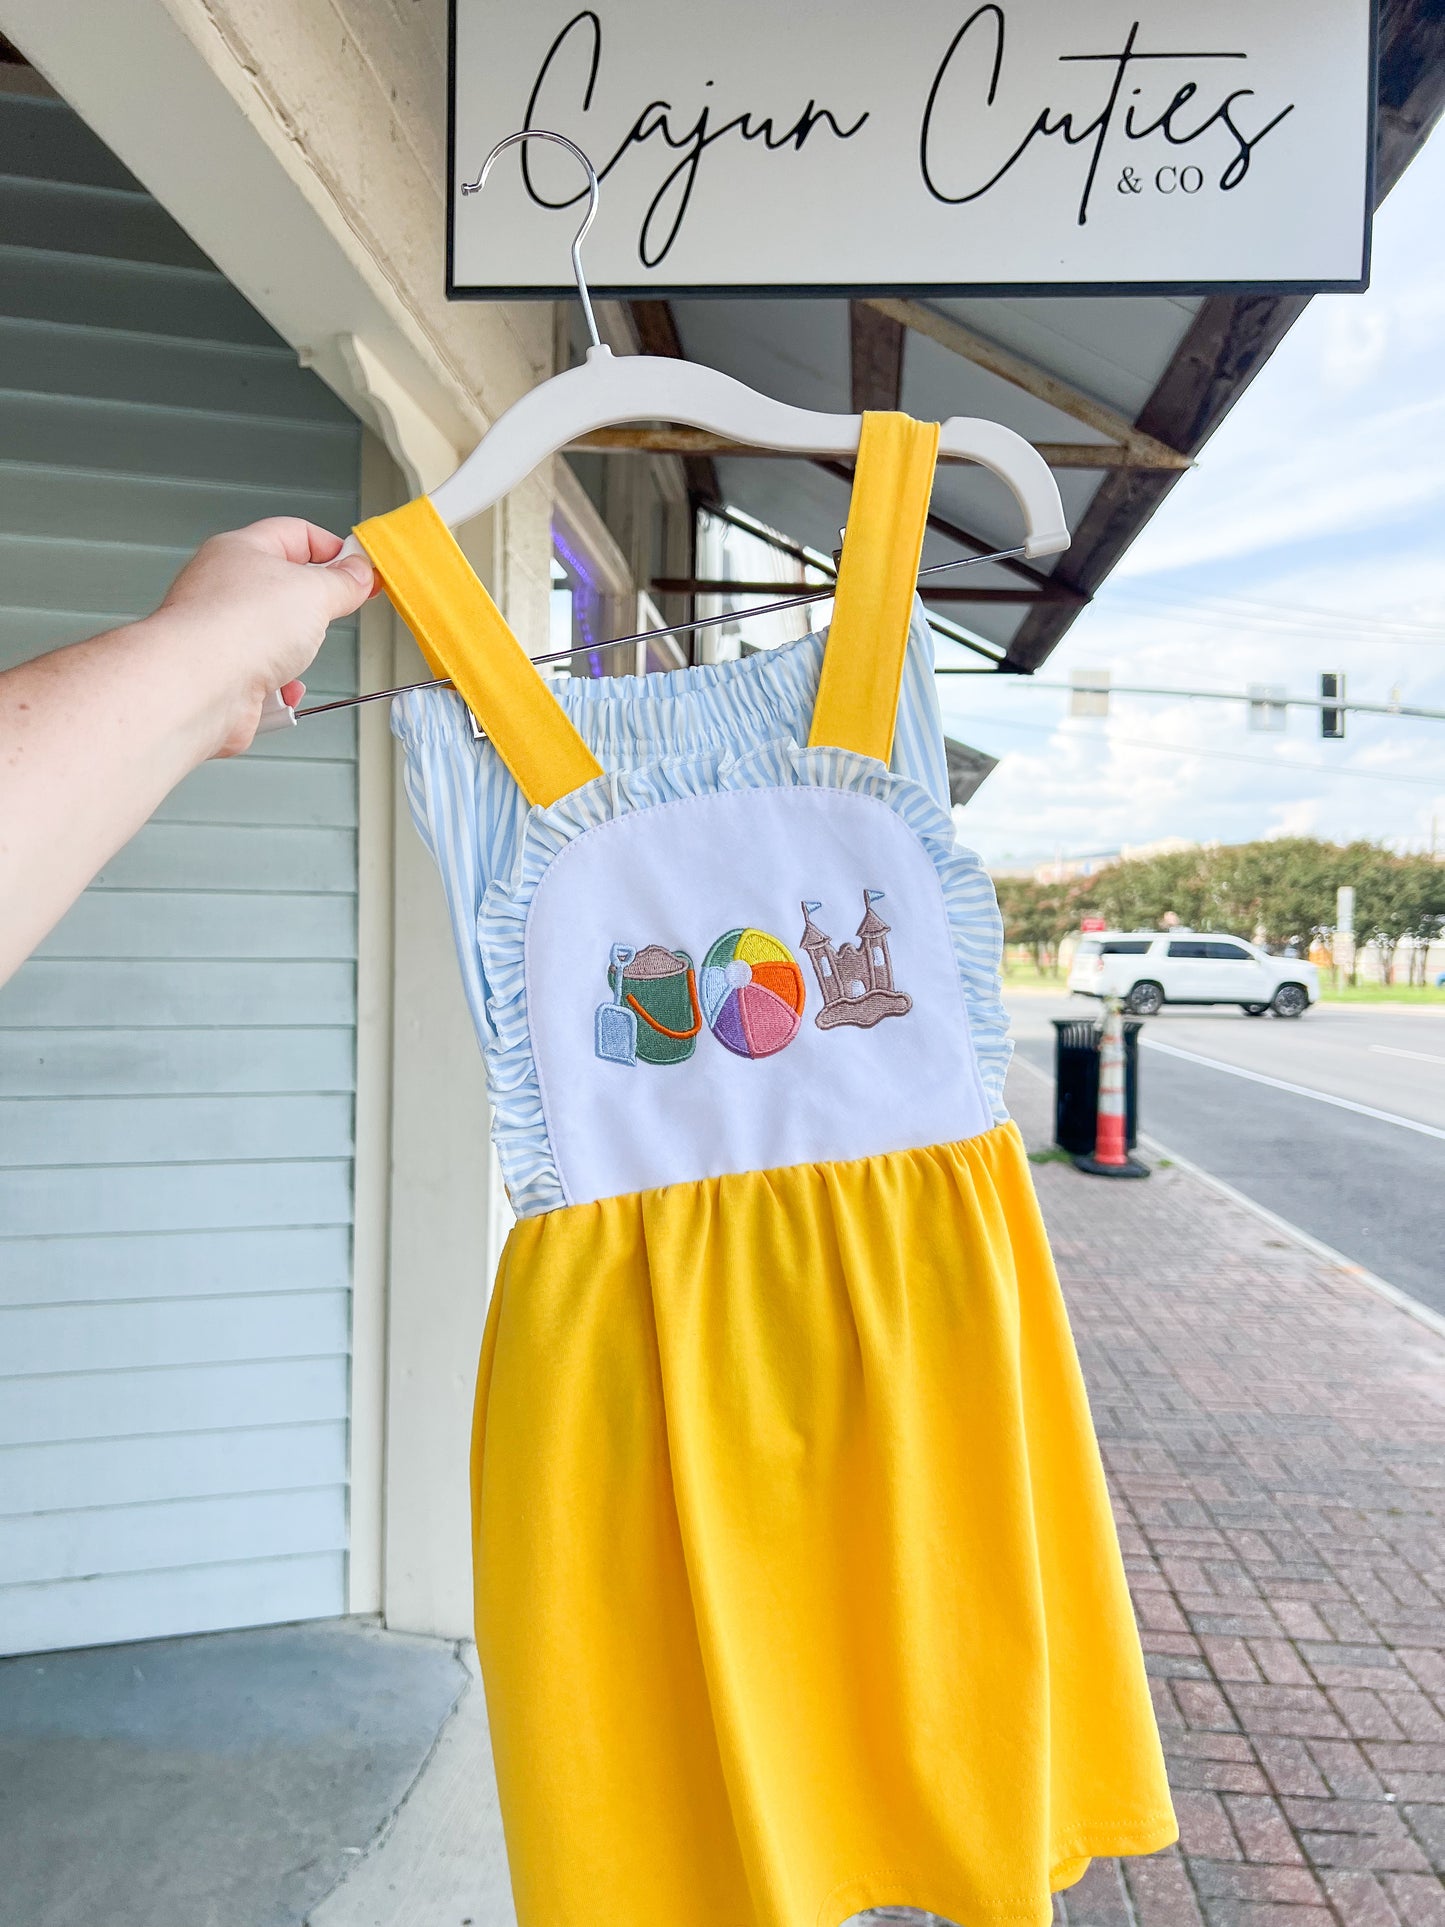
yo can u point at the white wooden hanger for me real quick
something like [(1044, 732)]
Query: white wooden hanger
[(606, 390)]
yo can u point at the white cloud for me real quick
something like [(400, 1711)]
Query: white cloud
[(1356, 342), (1349, 485)]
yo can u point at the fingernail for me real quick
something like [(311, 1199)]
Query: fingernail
[(357, 567)]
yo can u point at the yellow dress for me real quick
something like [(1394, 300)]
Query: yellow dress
[(797, 1587)]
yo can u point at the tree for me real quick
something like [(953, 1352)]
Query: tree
[(1018, 903), (1407, 902), (1137, 893), (1038, 915), (1282, 889), (1396, 897), (1424, 889)]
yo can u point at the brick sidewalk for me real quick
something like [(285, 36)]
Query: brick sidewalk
[(1275, 1440)]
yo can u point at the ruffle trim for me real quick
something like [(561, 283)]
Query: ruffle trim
[(519, 1127)]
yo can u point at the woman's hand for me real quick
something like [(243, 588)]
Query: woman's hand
[(93, 737), (257, 602)]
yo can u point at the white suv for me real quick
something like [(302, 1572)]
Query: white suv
[(1151, 968)]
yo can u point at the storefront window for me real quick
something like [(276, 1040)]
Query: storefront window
[(576, 608)]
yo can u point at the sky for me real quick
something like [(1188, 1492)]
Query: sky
[(1310, 537)]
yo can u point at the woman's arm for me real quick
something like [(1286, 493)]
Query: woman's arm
[(94, 737)]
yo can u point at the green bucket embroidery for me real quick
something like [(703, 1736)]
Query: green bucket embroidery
[(659, 988)]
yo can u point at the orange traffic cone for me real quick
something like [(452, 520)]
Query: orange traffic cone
[(1111, 1157)]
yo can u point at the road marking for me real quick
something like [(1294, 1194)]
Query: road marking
[(1298, 1090), (1393, 1050), (1371, 1280)]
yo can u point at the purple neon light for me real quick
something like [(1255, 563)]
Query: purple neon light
[(581, 603)]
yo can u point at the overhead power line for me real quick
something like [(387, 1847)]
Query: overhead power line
[(1306, 612), (1279, 619), (1254, 697), (1277, 763)]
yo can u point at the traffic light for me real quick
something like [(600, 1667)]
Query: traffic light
[(1332, 721)]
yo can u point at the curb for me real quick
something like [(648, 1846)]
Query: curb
[(1392, 1294), (1381, 1287)]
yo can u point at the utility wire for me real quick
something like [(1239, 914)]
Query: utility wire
[(1287, 612), (1222, 755), (1296, 612), (1410, 712), (1352, 636), (1278, 620)]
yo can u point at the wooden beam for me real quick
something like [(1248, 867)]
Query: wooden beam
[(962, 592), (1232, 336), (1142, 450), (702, 441), (931, 592), (1411, 89), (875, 357), (657, 334), (1229, 340)]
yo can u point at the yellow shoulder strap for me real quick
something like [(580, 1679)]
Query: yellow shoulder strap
[(462, 635), (857, 699)]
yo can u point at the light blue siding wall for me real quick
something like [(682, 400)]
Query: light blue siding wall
[(177, 1062)]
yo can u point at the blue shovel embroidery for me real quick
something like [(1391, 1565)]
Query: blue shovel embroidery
[(616, 1034)]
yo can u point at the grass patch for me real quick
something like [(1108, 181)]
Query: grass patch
[(1052, 1156), (1016, 972), (1423, 994), (1022, 974)]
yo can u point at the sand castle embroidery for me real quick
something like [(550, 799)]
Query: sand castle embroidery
[(856, 979)]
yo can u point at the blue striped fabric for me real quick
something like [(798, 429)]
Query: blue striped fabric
[(472, 818)]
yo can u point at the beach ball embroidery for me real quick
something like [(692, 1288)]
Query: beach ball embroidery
[(752, 993)]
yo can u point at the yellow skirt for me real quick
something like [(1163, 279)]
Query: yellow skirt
[(798, 1590)]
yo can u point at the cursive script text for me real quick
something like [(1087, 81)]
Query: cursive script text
[(975, 60), (663, 219)]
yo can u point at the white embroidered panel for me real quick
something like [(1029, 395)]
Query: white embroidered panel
[(682, 1026)]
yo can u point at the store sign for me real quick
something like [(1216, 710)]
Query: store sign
[(832, 146)]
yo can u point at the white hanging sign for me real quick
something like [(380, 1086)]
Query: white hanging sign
[(831, 147)]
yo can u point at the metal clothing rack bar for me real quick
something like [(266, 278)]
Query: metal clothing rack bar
[(821, 592)]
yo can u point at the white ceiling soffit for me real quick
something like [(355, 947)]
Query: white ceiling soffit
[(1114, 350)]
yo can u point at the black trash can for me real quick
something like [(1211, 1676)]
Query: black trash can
[(1076, 1082)]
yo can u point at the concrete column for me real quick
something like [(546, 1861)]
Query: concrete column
[(448, 1213)]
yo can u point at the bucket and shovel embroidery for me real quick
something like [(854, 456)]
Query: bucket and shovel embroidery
[(751, 994), (653, 1016)]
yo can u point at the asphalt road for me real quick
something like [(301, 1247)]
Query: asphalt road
[(1215, 1087)]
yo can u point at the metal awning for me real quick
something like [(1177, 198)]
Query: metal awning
[(967, 769), (1120, 392)]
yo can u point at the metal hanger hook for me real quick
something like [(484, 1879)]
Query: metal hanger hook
[(593, 195)]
